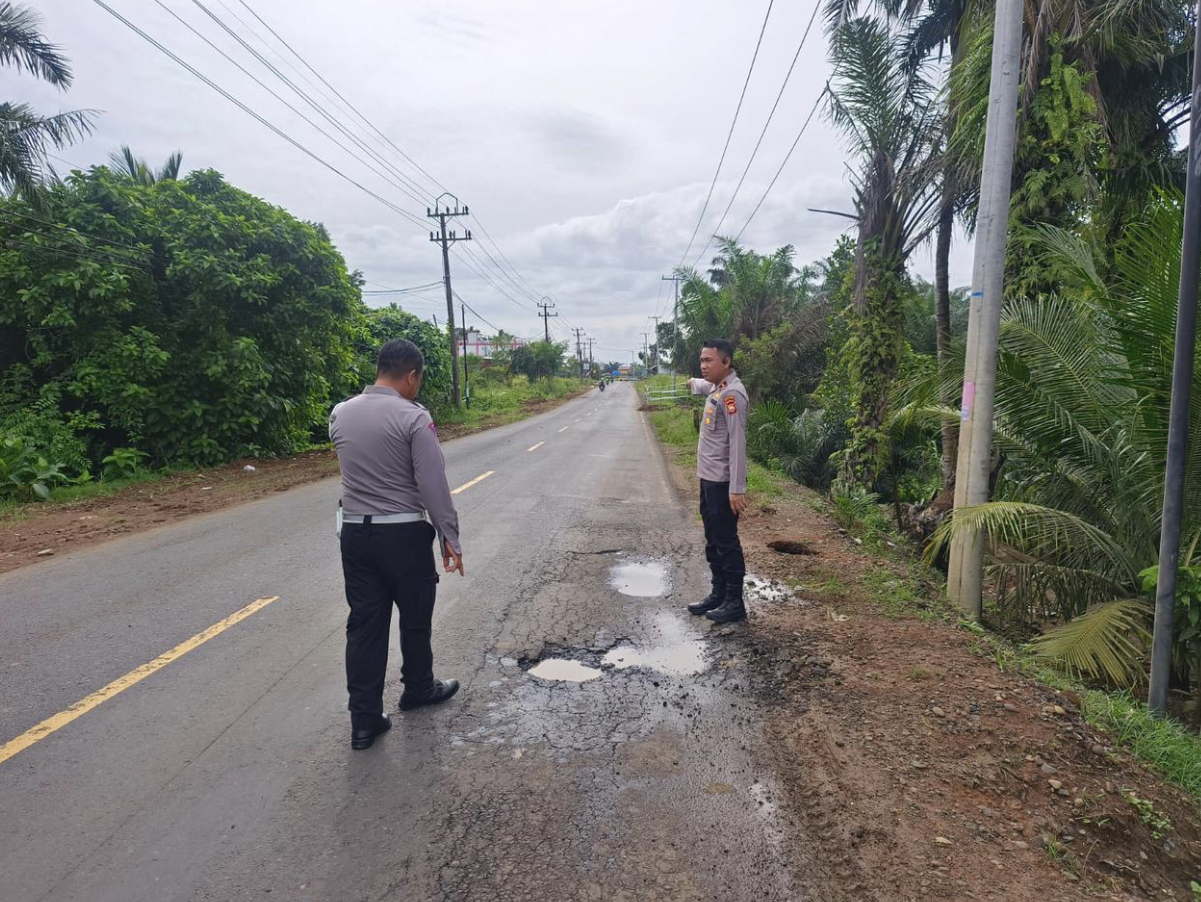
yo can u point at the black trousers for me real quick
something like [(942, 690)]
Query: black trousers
[(723, 550), (387, 564)]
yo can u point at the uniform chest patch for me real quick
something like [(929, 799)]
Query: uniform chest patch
[(731, 404)]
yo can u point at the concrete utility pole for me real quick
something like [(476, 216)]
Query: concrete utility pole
[(1178, 416), (543, 306), (655, 346), (646, 352), (442, 212), (466, 386), (965, 574), (675, 324), (579, 352), (591, 362)]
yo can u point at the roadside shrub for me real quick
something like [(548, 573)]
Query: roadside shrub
[(123, 463), (24, 473)]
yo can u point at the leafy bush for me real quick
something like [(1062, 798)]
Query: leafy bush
[(225, 328), (24, 473), (857, 508), (382, 324), (123, 463), (801, 445)]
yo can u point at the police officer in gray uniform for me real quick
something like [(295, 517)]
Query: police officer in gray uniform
[(393, 474), (721, 466)]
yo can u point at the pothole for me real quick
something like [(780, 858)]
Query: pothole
[(677, 653), (641, 579), (790, 546), (564, 670)]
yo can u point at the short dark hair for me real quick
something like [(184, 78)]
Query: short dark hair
[(399, 357), (720, 345)]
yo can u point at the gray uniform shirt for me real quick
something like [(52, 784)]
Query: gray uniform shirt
[(391, 460), (721, 448)]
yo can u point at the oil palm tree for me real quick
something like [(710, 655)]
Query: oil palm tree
[(1083, 382), (125, 163), (888, 113), (25, 135)]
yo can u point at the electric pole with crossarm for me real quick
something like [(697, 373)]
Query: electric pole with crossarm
[(544, 307), (442, 212)]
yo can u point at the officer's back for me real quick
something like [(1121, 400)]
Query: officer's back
[(393, 476)]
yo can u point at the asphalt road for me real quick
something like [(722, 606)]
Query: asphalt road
[(227, 773)]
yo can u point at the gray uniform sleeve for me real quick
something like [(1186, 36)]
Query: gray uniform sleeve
[(429, 469), (736, 427), (700, 386)]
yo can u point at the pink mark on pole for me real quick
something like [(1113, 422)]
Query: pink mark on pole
[(969, 395)]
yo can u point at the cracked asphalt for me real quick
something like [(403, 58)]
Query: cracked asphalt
[(227, 774)]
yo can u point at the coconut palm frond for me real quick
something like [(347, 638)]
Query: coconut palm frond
[(1106, 642), (22, 45)]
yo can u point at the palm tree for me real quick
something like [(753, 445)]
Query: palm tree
[(1083, 382), (125, 163), (888, 112), (26, 136)]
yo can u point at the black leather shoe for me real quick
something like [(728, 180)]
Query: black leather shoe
[(706, 604), (731, 611), (362, 739), (441, 691)]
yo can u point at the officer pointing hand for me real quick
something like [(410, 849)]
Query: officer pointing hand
[(721, 467)]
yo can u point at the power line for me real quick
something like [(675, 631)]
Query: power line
[(422, 197), (787, 156), (523, 288), (71, 230), (96, 257), (246, 109), (411, 290), (742, 178), (729, 135), (338, 94)]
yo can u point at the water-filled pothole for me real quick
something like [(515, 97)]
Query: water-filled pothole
[(564, 670), (677, 652), (642, 579)]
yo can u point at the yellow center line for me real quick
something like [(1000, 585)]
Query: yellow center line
[(84, 705), (535, 447), (465, 486)]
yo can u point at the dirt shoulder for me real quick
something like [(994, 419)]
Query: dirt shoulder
[(913, 766), (37, 532)]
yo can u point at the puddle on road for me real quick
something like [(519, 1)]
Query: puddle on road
[(563, 670), (642, 579), (677, 653)]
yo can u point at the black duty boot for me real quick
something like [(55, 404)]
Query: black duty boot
[(713, 600), (732, 609), (363, 737), (439, 692)]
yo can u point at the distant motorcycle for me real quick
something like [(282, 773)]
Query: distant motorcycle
[(602, 385)]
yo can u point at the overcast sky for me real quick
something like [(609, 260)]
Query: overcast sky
[(582, 134)]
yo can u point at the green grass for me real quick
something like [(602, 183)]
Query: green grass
[(674, 426), (1164, 745), (497, 403)]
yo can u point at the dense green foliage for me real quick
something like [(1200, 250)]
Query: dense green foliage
[(382, 324), (187, 319)]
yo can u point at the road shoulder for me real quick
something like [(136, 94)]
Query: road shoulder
[(916, 767)]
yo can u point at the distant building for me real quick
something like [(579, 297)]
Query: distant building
[(486, 346)]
